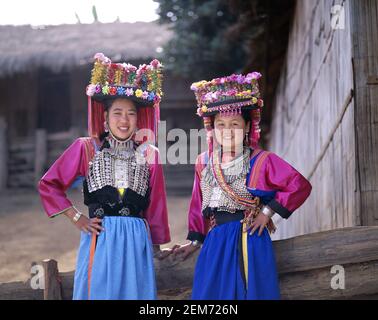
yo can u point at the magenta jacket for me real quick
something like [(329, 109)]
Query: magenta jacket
[(73, 163), (276, 182)]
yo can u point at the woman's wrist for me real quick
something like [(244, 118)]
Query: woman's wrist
[(195, 243), (69, 213), (73, 214), (77, 215), (267, 211)]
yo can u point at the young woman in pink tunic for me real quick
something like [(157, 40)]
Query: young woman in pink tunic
[(123, 184), (238, 187)]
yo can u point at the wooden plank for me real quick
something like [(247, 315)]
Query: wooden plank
[(321, 249), (181, 293), (331, 134), (364, 26), (40, 154), (19, 291), (66, 135), (67, 282), (3, 154), (22, 146), (360, 280), (29, 158), (52, 280), (314, 116), (304, 265)]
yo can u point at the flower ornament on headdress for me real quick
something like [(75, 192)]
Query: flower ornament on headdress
[(143, 84), (230, 96)]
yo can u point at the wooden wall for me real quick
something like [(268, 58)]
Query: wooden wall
[(313, 123), (79, 79), (18, 104), (177, 110), (364, 24)]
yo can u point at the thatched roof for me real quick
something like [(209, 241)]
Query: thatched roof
[(23, 48)]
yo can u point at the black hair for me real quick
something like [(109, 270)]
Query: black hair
[(107, 105), (103, 136), (109, 102), (246, 114)]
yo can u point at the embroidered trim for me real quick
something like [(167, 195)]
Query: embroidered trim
[(60, 212), (235, 173), (119, 168), (253, 178), (219, 176), (252, 205)]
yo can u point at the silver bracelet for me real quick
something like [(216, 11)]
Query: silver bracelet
[(195, 243), (267, 211), (77, 215)]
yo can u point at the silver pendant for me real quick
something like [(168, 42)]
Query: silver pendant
[(124, 211)]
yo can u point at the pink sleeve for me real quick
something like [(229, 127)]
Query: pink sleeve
[(196, 222), (157, 214), (59, 177), (292, 189)]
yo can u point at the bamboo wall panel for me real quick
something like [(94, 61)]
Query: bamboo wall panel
[(313, 123)]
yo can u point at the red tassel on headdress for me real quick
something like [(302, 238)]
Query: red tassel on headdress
[(95, 118), (208, 124), (147, 125), (254, 132)]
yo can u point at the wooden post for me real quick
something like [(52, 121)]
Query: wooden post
[(40, 154), (53, 288), (75, 132), (3, 154)]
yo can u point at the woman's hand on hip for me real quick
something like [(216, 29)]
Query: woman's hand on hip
[(260, 223), (88, 225)]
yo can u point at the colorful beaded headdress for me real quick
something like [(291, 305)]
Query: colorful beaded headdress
[(141, 84), (123, 80), (227, 95), (230, 96)]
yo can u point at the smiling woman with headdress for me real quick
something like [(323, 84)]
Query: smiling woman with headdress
[(123, 184), (237, 189)]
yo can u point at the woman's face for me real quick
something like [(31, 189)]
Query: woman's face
[(122, 118), (230, 131)]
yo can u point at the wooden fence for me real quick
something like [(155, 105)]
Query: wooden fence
[(309, 267), (28, 159)]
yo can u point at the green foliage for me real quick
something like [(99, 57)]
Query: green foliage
[(94, 13), (201, 47)]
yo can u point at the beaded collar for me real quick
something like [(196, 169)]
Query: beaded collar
[(119, 164)]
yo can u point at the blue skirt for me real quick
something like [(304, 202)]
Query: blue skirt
[(122, 266), (220, 269)]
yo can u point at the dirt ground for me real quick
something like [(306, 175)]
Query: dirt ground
[(27, 234)]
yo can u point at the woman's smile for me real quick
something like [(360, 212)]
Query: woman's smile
[(122, 118)]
